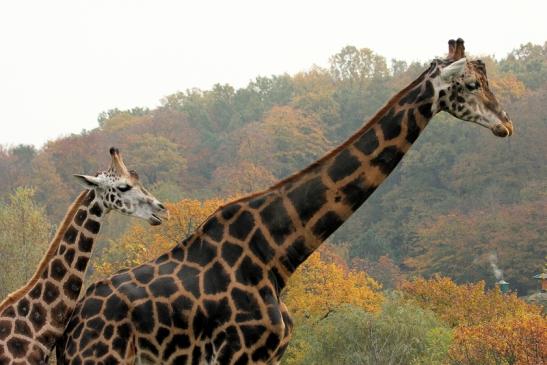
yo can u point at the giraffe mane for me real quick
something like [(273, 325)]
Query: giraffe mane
[(350, 140), (52, 249)]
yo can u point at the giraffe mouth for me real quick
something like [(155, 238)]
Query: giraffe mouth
[(502, 129), (498, 128), (155, 220)]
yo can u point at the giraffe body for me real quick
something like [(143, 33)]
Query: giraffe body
[(34, 317), (215, 297)]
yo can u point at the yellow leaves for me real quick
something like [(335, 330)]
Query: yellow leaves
[(490, 327), (466, 304), (314, 92), (520, 340), (284, 141), (507, 88), (24, 233), (241, 177), (319, 287)]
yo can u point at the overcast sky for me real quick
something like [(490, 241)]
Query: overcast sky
[(63, 62)]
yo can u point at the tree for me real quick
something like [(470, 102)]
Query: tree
[(465, 304), (24, 237), (362, 79), (528, 63), (274, 90), (458, 245), (318, 288), (314, 96), (155, 158), (384, 270), (107, 118), (506, 341), (284, 142), (50, 189), (491, 328), (399, 334), (115, 119), (241, 177), (357, 65)]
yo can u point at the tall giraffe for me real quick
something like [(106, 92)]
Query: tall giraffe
[(34, 317), (214, 298)]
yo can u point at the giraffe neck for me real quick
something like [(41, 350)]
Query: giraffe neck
[(33, 317), (320, 198)]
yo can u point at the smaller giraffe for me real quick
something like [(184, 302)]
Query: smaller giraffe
[(33, 317)]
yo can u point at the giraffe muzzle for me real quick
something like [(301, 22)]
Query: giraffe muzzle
[(154, 220), (503, 129), (158, 217)]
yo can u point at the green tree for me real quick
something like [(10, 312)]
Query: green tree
[(286, 140), (24, 237), (459, 245), (358, 64), (155, 159), (242, 177), (107, 118), (528, 63), (314, 96), (400, 334)]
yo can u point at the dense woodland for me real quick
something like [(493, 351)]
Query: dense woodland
[(461, 201)]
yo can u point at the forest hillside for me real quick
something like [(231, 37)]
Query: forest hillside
[(460, 202), (410, 279)]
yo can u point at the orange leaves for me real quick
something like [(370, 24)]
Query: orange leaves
[(458, 244), (241, 177), (490, 327), (520, 340), (508, 88), (319, 287), (466, 304), (283, 142)]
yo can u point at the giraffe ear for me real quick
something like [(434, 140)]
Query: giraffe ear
[(455, 69), (87, 181)]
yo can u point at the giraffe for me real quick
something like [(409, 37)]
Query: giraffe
[(215, 297), (33, 317)]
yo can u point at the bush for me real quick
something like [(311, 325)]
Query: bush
[(400, 334)]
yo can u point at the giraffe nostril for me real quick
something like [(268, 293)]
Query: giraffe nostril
[(161, 206)]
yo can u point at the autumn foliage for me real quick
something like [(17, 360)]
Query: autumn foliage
[(465, 304), (318, 288), (489, 327), (458, 196), (518, 340)]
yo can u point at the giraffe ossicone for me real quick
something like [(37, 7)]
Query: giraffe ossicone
[(34, 317), (215, 297)]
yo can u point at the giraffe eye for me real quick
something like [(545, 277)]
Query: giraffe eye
[(124, 188), (472, 86)]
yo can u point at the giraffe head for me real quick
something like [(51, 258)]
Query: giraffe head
[(119, 189), (463, 91)]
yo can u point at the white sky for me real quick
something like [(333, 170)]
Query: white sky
[(63, 62)]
